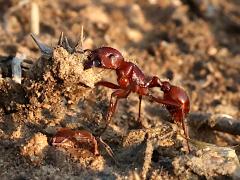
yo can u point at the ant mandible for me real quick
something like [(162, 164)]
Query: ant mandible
[(131, 79)]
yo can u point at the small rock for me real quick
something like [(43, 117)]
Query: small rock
[(212, 51), (134, 35), (211, 161)]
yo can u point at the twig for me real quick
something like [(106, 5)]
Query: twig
[(16, 67), (6, 64), (79, 46), (219, 122), (46, 51), (0, 72), (148, 158), (81, 38), (35, 18)]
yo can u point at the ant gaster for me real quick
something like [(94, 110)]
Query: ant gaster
[(131, 79)]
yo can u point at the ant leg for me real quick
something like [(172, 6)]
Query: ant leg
[(185, 131), (179, 116), (119, 94), (139, 109), (107, 84), (163, 101)]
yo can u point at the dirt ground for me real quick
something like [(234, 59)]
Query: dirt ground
[(194, 44)]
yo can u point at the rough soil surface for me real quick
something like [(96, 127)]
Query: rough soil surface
[(194, 44)]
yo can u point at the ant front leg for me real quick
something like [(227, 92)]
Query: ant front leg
[(118, 94), (108, 84)]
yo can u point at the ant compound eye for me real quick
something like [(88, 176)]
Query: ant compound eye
[(97, 63)]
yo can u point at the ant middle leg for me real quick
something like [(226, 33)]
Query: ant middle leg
[(139, 112)]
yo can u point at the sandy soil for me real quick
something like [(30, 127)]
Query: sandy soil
[(194, 44)]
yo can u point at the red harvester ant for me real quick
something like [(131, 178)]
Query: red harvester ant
[(131, 79)]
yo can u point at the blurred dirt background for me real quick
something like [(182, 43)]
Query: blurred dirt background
[(194, 44)]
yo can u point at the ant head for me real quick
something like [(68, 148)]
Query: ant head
[(104, 57), (166, 86)]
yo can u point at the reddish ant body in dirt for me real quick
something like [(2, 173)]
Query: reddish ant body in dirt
[(77, 137), (131, 79)]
